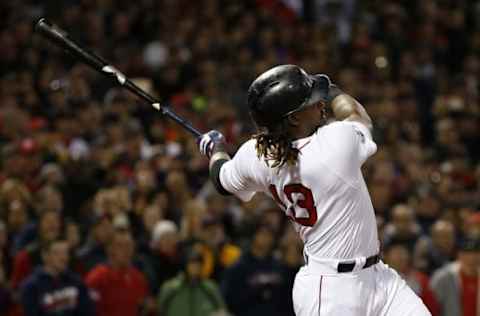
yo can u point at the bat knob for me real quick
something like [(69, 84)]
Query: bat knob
[(42, 23)]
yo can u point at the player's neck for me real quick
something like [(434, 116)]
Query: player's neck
[(299, 132), (306, 122)]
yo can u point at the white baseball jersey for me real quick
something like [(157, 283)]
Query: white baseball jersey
[(324, 194)]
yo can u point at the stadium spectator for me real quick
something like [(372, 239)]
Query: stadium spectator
[(398, 257), (291, 256), (472, 226), (52, 289), (164, 255), (189, 293), (221, 253), (93, 252), (455, 285), (436, 250), (118, 288), (152, 214), (192, 220), (48, 229), (48, 198), (402, 228), (256, 284), (15, 208)]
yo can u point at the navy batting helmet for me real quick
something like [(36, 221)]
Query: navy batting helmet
[(284, 90)]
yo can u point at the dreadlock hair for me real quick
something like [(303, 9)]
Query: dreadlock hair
[(275, 145)]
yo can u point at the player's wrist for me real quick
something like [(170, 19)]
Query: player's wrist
[(218, 155), (219, 148)]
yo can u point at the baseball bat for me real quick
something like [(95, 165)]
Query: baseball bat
[(62, 39)]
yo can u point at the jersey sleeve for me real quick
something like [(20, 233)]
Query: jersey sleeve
[(348, 146), (242, 175)]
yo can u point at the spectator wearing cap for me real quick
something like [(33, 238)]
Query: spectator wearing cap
[(455, 285), (164, 251), (118, 287), (52, 290), (189, 293), (436, 250), (255, 284)]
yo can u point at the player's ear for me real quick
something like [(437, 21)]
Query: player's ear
[(320, 106)]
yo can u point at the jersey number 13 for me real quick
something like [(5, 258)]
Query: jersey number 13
[(305, 201)]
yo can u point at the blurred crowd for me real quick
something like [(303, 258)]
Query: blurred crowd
[(106, 207)]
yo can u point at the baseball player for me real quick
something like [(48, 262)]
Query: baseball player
[(313, 171)]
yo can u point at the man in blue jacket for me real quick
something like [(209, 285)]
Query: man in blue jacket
[(52, 290), (257, 283)]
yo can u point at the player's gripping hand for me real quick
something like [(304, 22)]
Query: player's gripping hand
[(211, 141)]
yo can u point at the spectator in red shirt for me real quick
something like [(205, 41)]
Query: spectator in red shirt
[(456, 284), (117, 287)]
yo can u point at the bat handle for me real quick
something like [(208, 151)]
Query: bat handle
[(181, 121)]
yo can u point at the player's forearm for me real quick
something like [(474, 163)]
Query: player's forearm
[(218, 158), (345, 107)]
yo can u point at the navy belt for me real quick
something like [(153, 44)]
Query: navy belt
[(348, 266)]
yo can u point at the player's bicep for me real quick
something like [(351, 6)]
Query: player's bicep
[(234, 180), (238, 175)]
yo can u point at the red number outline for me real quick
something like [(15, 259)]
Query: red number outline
[(306, 202)]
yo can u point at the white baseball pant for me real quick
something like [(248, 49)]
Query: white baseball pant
[(319, 290)]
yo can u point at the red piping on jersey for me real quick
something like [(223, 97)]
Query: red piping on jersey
[(304, 144), (320, 296)]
